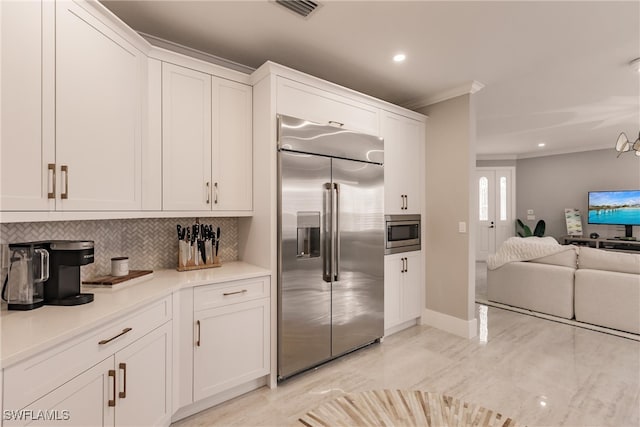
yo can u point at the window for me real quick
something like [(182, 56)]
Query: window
[(483, 196), (503, 198)]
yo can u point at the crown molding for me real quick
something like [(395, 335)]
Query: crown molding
[(195, 53), (467, 88)]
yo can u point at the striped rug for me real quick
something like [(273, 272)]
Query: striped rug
[(402, 408)]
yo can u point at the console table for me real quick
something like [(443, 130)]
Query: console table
[(607, 244)]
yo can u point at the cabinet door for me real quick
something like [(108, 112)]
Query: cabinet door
[(232, 146), (186, 133), (27, 100), (393, 276), (231, 346), (98, 114), (317, 105), (412, 299), (82, 401), (144, 380), (403, 163)]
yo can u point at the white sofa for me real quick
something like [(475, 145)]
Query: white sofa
[(543, 284), (607, 289), (591, 285)]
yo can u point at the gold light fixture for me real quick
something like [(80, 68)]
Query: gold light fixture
[(623, 145)]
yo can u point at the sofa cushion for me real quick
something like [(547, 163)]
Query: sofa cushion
[(599, 259), (608, 299), (566, 259)]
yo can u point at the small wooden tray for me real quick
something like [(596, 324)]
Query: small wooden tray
[(114, 280)]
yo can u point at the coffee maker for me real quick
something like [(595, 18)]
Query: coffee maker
[(66, 258), (28, 269)]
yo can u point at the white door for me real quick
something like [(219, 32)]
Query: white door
[(186, 139), (495, 209), (144, 380), (232, 145), (27, 96), (403, 148), (82, 401), (99, 80)]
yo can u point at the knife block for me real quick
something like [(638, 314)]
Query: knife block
[(187, 262)]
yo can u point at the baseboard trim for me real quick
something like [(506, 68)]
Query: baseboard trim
[(462, 328)]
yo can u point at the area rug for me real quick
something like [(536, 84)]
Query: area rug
[(402, 408)]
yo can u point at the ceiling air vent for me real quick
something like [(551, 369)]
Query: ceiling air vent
[(300, 7)]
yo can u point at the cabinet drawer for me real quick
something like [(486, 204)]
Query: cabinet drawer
[(317, 105), (29, 380), (217, 295)]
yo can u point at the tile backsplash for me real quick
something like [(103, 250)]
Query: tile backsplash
[(150, 243)]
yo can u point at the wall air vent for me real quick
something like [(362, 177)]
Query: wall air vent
[(300, 7)]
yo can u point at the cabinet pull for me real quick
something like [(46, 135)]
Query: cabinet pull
[(402, 198), (112, 374), (334, 123), (198, 340), (406, 265), (123, 368), (406, 202), (226, 294), (65, 170), (208, 193), (215, 193), (124, 331), (52, 173), (402, 270)]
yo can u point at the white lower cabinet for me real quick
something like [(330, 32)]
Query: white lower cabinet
[(126, 382), (403, 299), (231, 345)]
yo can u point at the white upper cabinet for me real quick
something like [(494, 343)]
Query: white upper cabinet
[(206, 142), (27, 141), (186, 139), (318, 105), (99, 86), (403, 163), (232, 143)]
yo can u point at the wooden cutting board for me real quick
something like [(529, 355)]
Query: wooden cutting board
[(114, 280)]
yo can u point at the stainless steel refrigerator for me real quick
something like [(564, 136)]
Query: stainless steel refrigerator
[(331, 243)]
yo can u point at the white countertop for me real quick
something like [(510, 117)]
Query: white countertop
[(26, 333)]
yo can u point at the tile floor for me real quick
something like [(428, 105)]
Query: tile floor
[(539, 372)]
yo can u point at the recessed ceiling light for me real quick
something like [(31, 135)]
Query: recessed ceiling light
[(399, 57), (541, 144)]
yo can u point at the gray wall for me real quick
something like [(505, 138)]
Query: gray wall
[(550, 184), (450, 160)]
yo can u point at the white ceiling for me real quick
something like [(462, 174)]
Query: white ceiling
[(554, 72)]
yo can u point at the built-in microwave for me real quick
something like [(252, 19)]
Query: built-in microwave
[(402, 233)]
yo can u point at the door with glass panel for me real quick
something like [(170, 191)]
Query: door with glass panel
[(495, 209)]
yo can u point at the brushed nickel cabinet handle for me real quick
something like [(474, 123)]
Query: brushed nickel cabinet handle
[(124, 331), (406, 202), (215, 193), (226, 294), (123, 368), (406, 265), (198, 340), (112, 374), (208, 192), (333, 122), (65, 170), (51, 171)]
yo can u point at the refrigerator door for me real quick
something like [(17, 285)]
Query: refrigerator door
[(358, 261), (304, 297)]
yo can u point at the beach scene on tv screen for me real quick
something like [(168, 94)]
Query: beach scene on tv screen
[(614, 207)]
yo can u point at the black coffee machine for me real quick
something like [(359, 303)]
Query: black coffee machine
[(65, 259)]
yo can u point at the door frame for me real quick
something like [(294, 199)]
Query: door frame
[(512, 170)]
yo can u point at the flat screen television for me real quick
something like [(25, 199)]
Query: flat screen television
[(621, 207)]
